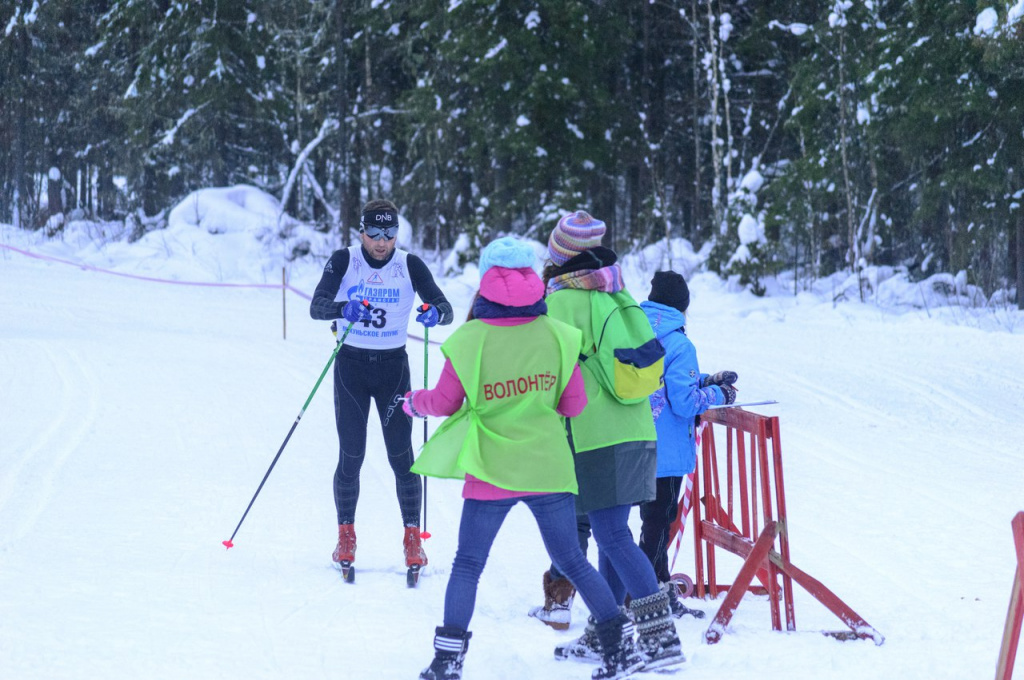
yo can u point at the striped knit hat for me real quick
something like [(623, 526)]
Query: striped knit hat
[(573, 234)]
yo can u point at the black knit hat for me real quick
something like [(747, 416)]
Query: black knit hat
[(669, 288)]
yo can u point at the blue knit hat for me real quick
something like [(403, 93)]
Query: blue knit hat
[(508, 252)]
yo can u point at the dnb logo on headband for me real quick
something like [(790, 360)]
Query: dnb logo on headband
[(379, 218)]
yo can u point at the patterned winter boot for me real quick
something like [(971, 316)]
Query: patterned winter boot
[(558, 597), (657, 640), (584, 648), (620, 657), (414, 554), (346, 549), (450, 645)]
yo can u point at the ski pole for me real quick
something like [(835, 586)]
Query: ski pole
[(229, 543), (426, 344), (748, 403)]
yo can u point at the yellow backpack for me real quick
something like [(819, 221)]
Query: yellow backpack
[(628, 360)]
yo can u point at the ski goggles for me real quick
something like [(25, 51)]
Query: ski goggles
[(379, 224), (381, 233)]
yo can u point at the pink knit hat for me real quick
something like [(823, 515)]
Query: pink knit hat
[(573, 234)]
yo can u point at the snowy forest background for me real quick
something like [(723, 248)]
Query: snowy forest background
[(817, 137)]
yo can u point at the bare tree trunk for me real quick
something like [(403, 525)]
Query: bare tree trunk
[(19, 149), (18, 174), (868, 239), (851, 223), (348, 166), (696, 209), (716, 151), (54, 199), (1020, 261), (727, 112), (106, 192), (299, 205)]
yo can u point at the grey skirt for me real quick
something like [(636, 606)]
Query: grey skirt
[(621, 474)]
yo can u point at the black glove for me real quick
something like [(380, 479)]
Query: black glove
[(720, 378), (444, 310), (728, 394)]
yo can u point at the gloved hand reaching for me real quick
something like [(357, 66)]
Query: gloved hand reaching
[(720, 378), (356, 310), (429, 316), (728, 393), (409, 409)]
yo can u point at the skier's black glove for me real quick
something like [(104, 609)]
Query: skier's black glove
[(728, 393), (444, 310), (720, 378)]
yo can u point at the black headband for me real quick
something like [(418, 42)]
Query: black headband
[(382, 218)]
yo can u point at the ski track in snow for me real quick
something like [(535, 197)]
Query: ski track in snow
[(134, 445), (29, 483)]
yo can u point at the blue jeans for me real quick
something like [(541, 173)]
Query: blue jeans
[(555, 514), (622, 563)]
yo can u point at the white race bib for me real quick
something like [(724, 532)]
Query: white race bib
[(389, 292)]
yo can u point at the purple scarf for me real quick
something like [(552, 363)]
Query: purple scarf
[(593, 269), (605, 279)]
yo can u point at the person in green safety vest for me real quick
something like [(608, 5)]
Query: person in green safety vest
[(614, 443), (509, 379)]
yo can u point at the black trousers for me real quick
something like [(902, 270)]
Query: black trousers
[(383, 375), (656, 517)]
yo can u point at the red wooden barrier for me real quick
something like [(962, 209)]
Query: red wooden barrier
[(1014, 617), (742, 509)]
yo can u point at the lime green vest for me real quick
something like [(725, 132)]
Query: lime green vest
[(605, 421), (508, 431)]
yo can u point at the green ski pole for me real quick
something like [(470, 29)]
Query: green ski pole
[(426, 345), (229, 543)]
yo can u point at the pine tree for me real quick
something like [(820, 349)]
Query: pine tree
[(195, 104), (40, 131)]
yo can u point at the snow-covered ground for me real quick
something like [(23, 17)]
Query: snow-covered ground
[(137, 419)]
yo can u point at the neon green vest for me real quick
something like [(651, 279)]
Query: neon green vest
[(508, 432), (605, 421)]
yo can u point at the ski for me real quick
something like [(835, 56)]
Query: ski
[(348, 572), (663, 670)]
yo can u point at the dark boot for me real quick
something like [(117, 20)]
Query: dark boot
[(657, 638), (450, 645), (679, 610), (584, 648), (558, 597), (619, 655)]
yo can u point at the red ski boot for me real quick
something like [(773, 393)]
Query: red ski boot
[(345, 552), (415, 558)]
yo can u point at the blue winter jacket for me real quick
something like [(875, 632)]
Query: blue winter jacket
[(681, 397)]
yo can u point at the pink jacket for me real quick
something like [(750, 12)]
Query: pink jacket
[(512, 288)]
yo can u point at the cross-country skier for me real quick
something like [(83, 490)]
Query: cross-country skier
[(373, 364)]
